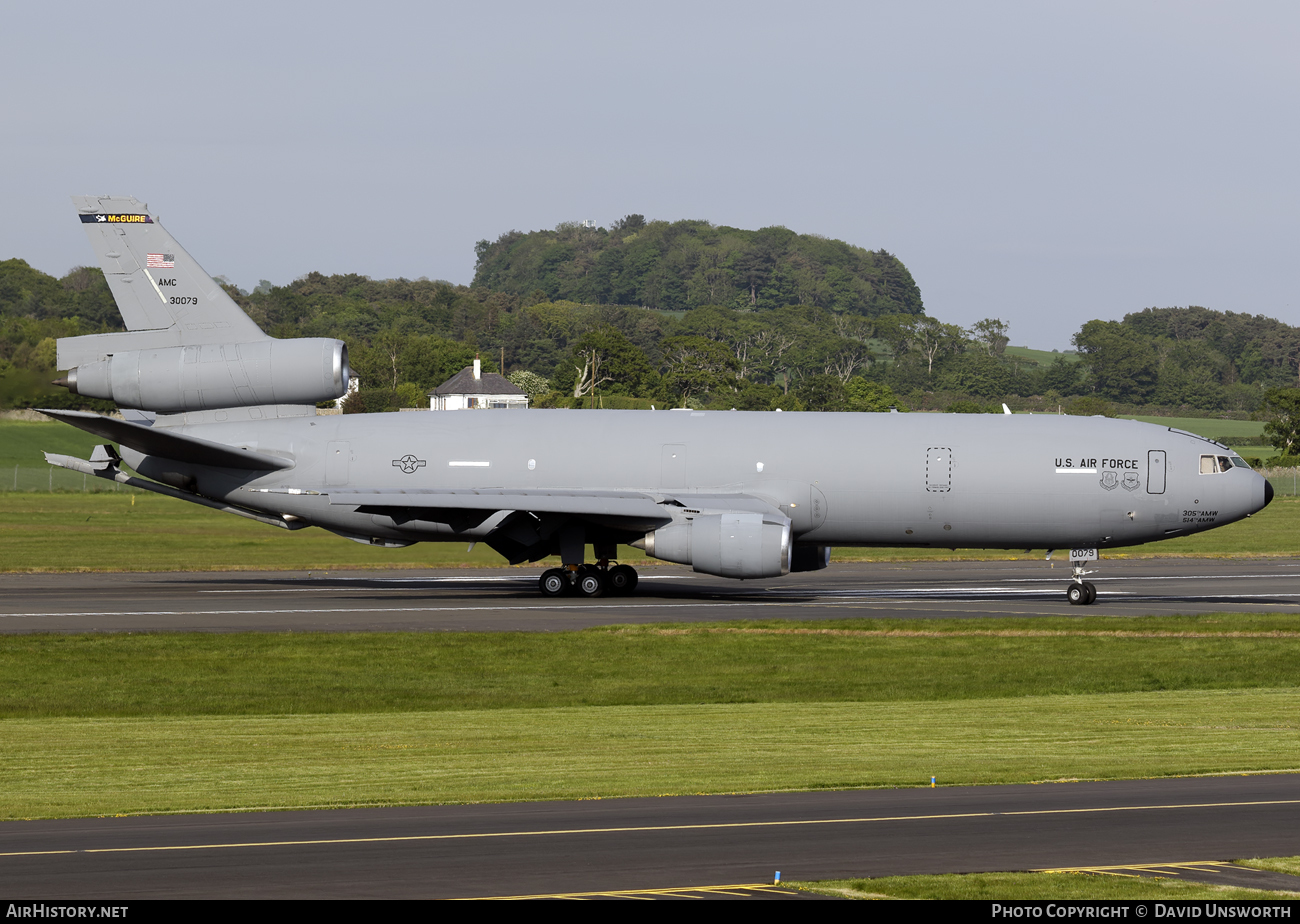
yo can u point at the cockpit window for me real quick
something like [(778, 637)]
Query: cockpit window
[(1211, 465), (1239, 462)]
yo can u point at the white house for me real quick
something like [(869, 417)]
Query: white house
[(354, 385), (473, 389)]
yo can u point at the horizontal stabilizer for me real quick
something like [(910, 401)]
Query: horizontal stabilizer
[(168, 444), (103, 465), (73, 464)]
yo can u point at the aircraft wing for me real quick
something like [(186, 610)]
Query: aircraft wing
[(169, 444), (631, 504)]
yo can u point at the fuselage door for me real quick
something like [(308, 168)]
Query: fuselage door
[(1156, 471), (938, 469), (672, 466), (338, 455)]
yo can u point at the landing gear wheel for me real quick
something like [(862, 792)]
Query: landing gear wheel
[(554, 583), (1080, 592), (1091, 591), (622, 580), (591, 583)]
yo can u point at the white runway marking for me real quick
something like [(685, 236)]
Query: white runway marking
[(405, 609), (1161, 577), (452, 580), (843, 598), (929, 593)]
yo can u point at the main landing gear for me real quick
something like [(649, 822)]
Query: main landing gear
[(588, 580)]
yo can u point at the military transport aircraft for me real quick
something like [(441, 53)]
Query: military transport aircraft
[(230, 423)]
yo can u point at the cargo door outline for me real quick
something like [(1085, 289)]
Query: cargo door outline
[(1156, 471), (338, 459), (938, 469)]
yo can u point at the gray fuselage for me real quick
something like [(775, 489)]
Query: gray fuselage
[(944, 480)]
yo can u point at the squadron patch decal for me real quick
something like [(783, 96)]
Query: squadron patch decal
[(116, 219)]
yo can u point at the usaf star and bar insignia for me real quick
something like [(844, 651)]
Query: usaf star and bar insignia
[(409, 464)]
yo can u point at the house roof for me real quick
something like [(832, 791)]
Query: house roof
[(464, 383)]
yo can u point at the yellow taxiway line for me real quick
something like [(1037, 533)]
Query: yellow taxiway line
[(1130, 869), (647, 894)]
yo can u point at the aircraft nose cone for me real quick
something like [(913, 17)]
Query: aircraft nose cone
[(1268, 493)]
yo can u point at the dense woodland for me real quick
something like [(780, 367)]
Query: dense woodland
[(687, 313), (692, 264)]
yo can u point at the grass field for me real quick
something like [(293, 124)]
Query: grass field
[(73, 766), (180, 674), (1042, 357), (22, 442), (113, 724), (1034, 886), (1253, 453), (1212, 427)]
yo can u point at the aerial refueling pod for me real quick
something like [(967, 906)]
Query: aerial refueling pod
[(220, 375), (734, 545)]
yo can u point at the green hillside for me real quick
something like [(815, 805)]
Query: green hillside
[(689, 264)]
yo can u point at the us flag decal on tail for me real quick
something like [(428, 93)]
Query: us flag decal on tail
[(160, 261)]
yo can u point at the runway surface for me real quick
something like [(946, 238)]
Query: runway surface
[(669, 846), (507, 599), (657, 844)]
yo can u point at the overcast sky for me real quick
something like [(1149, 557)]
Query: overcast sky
[(1045, 163)]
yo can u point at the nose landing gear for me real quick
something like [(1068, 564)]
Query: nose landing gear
[(1080, 592)]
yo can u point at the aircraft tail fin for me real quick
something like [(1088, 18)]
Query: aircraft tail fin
[(158, 287)]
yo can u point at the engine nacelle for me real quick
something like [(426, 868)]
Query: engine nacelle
[(734, 545), (197, 378)]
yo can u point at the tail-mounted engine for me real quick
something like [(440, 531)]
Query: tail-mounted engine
[(187, 345), (219, 375)]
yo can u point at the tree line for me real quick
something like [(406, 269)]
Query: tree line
[(817, 345)]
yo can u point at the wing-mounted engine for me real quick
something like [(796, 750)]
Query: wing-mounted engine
[(734, 544)]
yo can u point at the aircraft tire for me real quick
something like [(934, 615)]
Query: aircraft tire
[(622, 580), (554, 583), (591, 584), (1076, 595), (1092, 593)]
